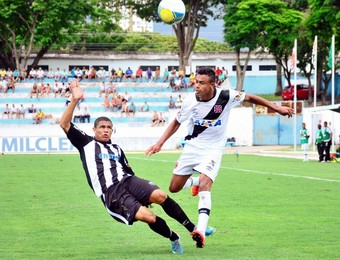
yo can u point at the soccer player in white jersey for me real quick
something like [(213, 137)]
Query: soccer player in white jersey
[(207, 110)]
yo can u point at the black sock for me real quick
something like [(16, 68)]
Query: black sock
[(163, 229), (176, 212)]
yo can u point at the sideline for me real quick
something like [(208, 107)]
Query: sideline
[(246, 170)]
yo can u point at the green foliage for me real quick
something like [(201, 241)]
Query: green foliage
[(49, 211)]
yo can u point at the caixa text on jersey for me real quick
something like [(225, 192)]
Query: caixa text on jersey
[(208, 123)]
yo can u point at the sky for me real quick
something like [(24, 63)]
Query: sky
[(213, 32)]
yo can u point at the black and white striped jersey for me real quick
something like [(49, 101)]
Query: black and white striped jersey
[(105, 164), (208, 119)]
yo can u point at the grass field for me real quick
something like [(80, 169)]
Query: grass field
[(263, 208)]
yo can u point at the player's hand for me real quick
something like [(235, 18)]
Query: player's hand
[(77, 93), (152, 150), (286, 111)]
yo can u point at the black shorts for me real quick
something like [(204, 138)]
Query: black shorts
[(124, 199)]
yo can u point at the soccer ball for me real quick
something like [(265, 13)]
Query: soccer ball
[(171, 11)]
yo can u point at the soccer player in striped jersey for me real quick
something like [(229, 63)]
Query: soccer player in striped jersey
[(207, 110), (109, 175)]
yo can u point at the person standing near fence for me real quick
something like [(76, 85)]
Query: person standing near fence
[(319, 142), (304, 137)]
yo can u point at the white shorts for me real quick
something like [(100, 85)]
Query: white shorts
[(304, 147), (206, 162)]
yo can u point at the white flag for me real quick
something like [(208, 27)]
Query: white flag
[(315, 51)]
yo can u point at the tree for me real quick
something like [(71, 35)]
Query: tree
[(187, 31), (27, 25), (324, 21), (260, 26)]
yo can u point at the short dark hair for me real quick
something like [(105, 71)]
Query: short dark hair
[(102, 118), (208, 71)]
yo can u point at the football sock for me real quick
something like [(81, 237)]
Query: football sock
[(163, 229), (172, 208), (204, 206), (192, 181)]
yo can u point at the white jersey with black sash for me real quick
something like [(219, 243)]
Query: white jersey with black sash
[(208, 119), (104, 163)]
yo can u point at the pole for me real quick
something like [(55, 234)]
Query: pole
[(295, 91)]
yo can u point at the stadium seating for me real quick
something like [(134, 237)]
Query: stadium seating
[(156, 94)]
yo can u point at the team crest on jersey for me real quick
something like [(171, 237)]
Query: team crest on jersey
[(218, 109)]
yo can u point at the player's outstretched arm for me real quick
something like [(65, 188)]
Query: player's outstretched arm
[(66, 118), (285, 111), (171, 129)]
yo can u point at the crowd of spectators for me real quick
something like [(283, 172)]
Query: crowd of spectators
[(58, 86)]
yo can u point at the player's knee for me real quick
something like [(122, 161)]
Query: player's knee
[(174, 188), (158, 196)]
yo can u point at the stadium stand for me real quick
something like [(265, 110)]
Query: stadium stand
[(156, 94)]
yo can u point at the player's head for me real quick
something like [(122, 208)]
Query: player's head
[(103, 129), (205, 84), (209, 72)]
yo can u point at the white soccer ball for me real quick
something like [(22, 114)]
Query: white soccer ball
[(171, 11)]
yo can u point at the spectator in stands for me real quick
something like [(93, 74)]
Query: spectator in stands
[(127, 96), (132, 108), (7, 111), (23, 75), (114, 104), (50, 74), (34, 90), (106, 104), (3, 73), (183, 84), (21, 111), (79, 74), (77, 115), (161, 120), (111, 89), (113, 75), (85, 71), (58, 89), (85, 115), (120, 74), (92, 74), (166, 75), (32, 109), (149, 75), (177, 85), (40, 74), (139, 74), (181, 72), (73, 72), (192, 80), (173, 75), (155, 118), (145, 107), (101, 74), (102, 89), (3, 84), (157, 74), (10, 85), (45, 89), (16, 76), (179, 101), (9, 74), (64, 76), (171, 103), (57, 75), (218, 72), (39, 117), (13, 111), (119, 100), (125, 108), (129, 74), (32, 74)]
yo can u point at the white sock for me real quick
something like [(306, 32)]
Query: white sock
[(204, 206), (192, 181)]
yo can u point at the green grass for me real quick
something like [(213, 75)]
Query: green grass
[(263, 208)]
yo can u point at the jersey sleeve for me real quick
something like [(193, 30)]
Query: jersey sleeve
[(77, 137), (236, 97), (185, 111)]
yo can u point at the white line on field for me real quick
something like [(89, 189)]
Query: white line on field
[(252, 171)]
